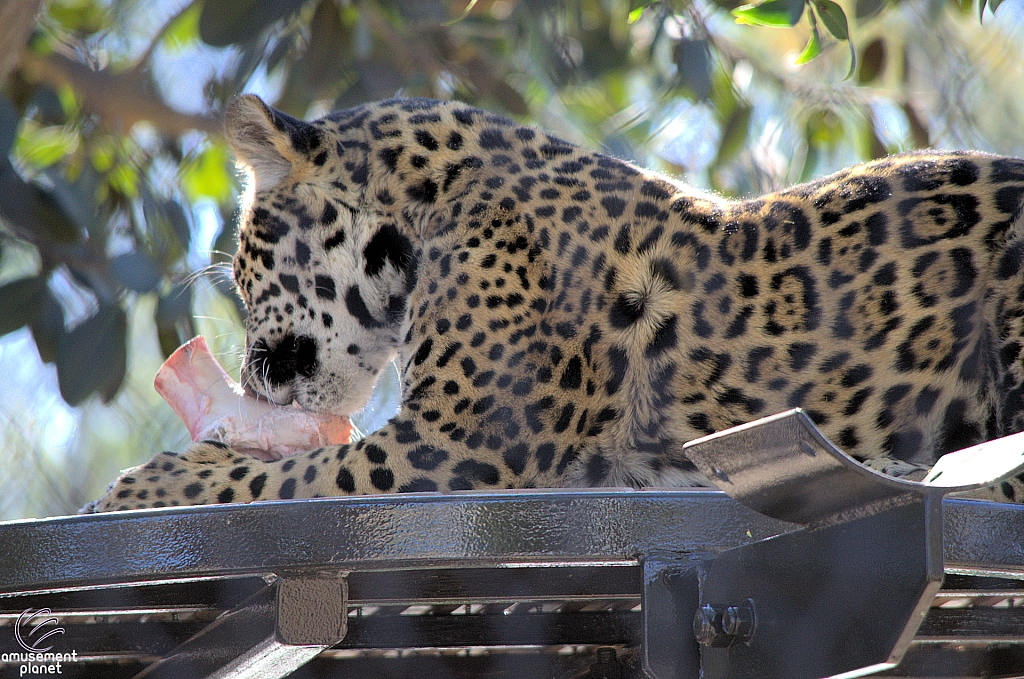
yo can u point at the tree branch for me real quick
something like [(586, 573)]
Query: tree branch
[(17, 17), (121, 100)]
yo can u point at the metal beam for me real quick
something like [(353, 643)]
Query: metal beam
[(458, 530)]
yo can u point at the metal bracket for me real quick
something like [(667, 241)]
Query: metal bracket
[(670, 595), (841, 595), (270, 635)]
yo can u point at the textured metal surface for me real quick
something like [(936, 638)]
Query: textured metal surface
[(363, 533), (983, 537), (783, 467), (538, 569), (312, 610), (465, 530)]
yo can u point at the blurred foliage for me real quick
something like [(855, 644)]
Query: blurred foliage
[(117, 191)]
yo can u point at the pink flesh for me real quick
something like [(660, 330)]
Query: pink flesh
[(213, 406)]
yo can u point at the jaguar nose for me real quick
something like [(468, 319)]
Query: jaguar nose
[(290, 357)]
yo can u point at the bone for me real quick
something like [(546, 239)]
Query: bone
[(214, 407)]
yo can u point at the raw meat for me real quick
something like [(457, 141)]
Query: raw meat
[(213, 406)]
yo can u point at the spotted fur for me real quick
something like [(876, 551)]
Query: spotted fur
[(563, 318)]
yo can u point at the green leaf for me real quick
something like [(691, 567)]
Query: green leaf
[(810, 163), (734, 134), (775, 13), (207, 175), (166, 221), (93, 356), (41, 147), (124, 179), (178, 222), (83, 17), (994, 5), (185, 29), (136, 271), (19, 302), (48, 327), (872, 61), (9, 120), (693, 65), (49, 109), (76, 201), (465, 13), (834, 18), (865, 9), (69, 102), (872, 147), (918, 129), (813, 47), (173, 318), (824, 130), (226, 22), (34, 210)]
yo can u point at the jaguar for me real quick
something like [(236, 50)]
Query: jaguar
[(564, 318)]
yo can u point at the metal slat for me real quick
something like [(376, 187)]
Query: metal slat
[(525, 629), (174, 598), (88, 670), (483, 666), (114, 640), (973, 626), (961, 663)]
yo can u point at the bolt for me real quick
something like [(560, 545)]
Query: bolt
[(719, 626), (740, 621), (606, 664), (707, 626)]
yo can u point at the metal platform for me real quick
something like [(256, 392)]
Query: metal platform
[(542, 584), (468, 585)]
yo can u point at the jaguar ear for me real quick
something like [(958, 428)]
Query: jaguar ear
[(267, 141)]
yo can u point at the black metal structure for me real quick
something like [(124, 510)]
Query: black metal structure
[(885, 577)]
